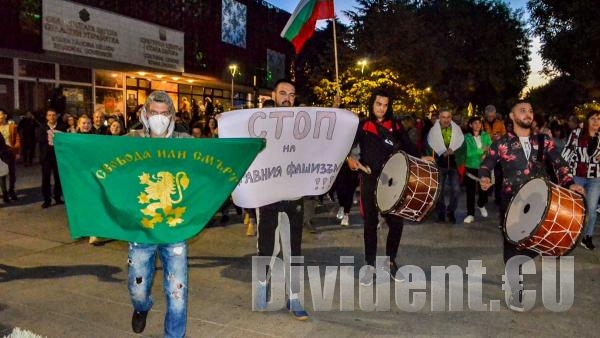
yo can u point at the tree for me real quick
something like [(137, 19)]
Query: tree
[(356, 89), (570, 39), (558, 97), (465, 50)]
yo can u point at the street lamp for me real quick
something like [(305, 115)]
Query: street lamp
[(362, 63), (233, 70)]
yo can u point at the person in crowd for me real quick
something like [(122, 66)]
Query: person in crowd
[(181, 125), (5, 155), (517, 152), (27, 128), (12, 140), (573, 123), (48, 158), (115, 128), (345, 187), (378, 138), (582, 152), (477, 145), (284, 94), (496, 129), (446, 142), (558, 135), (211, 130), (98, 126), (71, 124), (196, 131), (158, 119), (84, 125)]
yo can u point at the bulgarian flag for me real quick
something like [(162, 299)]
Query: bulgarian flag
[(301, 25)]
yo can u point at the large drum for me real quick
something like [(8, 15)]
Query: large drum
[(407, 187), (545, 218)]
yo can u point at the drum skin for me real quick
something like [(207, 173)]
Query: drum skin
[(419, 192), (561, 225)]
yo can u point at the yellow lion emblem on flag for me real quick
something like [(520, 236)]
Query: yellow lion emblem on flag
[(157, 194)]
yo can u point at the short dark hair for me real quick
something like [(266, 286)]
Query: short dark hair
[(283, 80)]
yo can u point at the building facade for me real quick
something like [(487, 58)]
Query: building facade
[(108, 55)]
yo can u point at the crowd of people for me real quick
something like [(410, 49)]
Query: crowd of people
[(480, 152)]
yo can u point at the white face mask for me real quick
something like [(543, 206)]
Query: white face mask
[(158, 124)]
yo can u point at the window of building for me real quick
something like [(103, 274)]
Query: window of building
[(34, 69), (6, 66), (75, 74)]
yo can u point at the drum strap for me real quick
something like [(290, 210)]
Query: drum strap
[(388, 138), (546, 166)]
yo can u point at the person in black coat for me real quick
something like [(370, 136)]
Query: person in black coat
[(379, 137), (48, 158)]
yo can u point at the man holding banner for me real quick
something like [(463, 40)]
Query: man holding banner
[(305, 149), (154, 192), (284, 94)]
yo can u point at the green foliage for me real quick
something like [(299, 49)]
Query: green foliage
[(570, 39), (463, 50)]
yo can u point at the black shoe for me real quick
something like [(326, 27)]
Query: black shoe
[(138, 321), (224, 219), (12, 195), (5, 199), (451, 218), (46, 205), (441, 219), (586, 242)]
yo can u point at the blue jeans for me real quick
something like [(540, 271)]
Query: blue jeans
[(592, 193), (142, 264), (448, 184)]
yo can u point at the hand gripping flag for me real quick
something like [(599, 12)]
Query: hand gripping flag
[(148, 190), (301, 25)]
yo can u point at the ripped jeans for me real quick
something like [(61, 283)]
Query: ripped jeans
[(142, 264)]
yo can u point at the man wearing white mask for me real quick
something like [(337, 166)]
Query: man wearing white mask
[(158, 119)]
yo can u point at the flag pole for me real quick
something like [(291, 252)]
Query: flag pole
[(335, 56)]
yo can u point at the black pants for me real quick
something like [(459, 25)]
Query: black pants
[(28, 152), (498, 176), (511, 250), (473, 187), (50, 169), (396, 224), (345, 185), (268, 222)]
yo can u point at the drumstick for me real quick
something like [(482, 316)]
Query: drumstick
[(354, 164), (473, 177), (366, 169)]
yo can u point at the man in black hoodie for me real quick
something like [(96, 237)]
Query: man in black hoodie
[(379, 137)]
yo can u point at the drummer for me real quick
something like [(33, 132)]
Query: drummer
[(378, 137), (518, 153)]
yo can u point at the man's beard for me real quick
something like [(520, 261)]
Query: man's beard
[(286, 104), (524, 124)]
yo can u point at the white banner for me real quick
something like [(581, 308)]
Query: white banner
[(73, 28), (305, 149)]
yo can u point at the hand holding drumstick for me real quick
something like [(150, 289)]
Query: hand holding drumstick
[(354, 165)]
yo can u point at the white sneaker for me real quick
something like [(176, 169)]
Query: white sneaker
[(484, 212), (469, 219), (345, 220), (381, 222), (340, 213)]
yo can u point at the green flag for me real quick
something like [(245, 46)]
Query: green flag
[(148, 190)]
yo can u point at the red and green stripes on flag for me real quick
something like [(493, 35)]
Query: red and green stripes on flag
[(301, 25)]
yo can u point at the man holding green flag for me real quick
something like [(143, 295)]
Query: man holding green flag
[(153, 191)]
